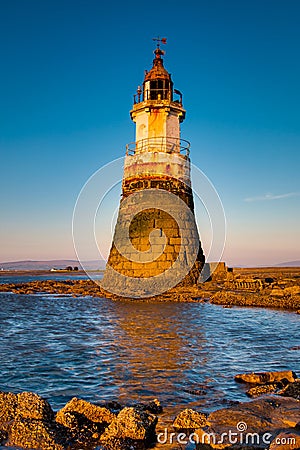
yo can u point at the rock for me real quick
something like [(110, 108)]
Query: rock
[(32, 406), (113, 406), (26, 420), (264, 417), (263, 389), (257, 391), (277, 292), (36, 434), (3, 436), (292, 390), (83, 431), (292, 290), (154, 407), (8, 407), (286, 440), (265, 377), (189, 419), (84, 421), (94, 413), (132, 424)]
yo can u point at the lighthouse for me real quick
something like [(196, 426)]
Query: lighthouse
[(156, 243)]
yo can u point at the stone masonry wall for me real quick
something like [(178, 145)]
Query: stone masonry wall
[(151, 228)]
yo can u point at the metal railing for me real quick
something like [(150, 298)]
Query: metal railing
[(163, 144), (158, 95)]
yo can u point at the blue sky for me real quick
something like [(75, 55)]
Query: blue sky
[(69, 70)]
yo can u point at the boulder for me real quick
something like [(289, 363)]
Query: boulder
[(32, 406), (84, 421), (36, 434), (83, 432), (130, 424), (266, 377), (153, 407), (94, 413), (262, 389), (292, 390), (26, 420), (189, 419)]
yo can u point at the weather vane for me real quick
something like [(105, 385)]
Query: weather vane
[(160, 41)]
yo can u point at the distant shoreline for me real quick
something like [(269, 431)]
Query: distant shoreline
[(256, 287), (42, 272)]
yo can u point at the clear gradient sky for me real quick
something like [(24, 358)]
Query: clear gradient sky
[(68, 72)]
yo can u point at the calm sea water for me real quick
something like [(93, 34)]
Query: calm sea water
[(102, 350)]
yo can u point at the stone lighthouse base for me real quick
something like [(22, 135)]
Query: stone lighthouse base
[(154, 249)]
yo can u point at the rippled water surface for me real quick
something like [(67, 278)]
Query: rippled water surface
[(98, 349)]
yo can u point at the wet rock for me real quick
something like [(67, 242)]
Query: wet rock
[(189, 419), (265, 377), (36, 434), (8, 407), (263, 389), (292, 390), (266, 415), (130, 424), (200, 392), (286, 440), (257, 391)]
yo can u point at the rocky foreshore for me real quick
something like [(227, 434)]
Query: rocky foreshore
[(270, 422), (274, 288)]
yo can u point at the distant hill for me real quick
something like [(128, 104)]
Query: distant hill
[(289, 264), (47, 265)]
